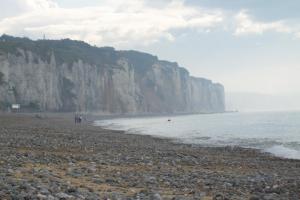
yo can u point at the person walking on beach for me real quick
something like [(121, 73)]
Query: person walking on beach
[(76, 118)]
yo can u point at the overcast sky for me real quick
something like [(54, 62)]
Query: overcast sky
[(247, 45)]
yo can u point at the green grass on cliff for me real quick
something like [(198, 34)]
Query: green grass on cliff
[(70, 51), (65, 51)]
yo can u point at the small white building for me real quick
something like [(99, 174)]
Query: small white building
[(15, 107)]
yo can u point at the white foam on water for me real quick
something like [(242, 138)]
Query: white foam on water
[(277, 133), (283, 152)]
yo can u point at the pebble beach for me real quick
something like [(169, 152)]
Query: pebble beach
[(49, 157)]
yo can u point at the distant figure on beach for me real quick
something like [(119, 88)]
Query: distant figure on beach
[(169, 120), (78, 119)]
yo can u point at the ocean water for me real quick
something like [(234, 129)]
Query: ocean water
[(274, 132)]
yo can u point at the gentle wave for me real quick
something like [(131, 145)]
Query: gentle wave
[(283, 152), (276, 133)]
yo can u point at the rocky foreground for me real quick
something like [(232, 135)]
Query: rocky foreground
[(52, 158)]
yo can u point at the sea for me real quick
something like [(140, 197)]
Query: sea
[(274, 132)]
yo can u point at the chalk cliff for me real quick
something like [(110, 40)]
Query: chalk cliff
[(67, 75)]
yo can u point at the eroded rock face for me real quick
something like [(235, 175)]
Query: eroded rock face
[(102, 80)]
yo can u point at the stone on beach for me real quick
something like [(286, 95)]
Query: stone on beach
[(42, 159)]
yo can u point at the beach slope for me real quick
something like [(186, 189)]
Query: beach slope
[(49, 157)]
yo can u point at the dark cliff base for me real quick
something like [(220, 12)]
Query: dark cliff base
[(51, 158)]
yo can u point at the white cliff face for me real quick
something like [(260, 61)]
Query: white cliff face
[(126, 85), (206, 96), (29, 81)]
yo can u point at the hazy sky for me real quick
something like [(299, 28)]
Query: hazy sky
[(247, 45)]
